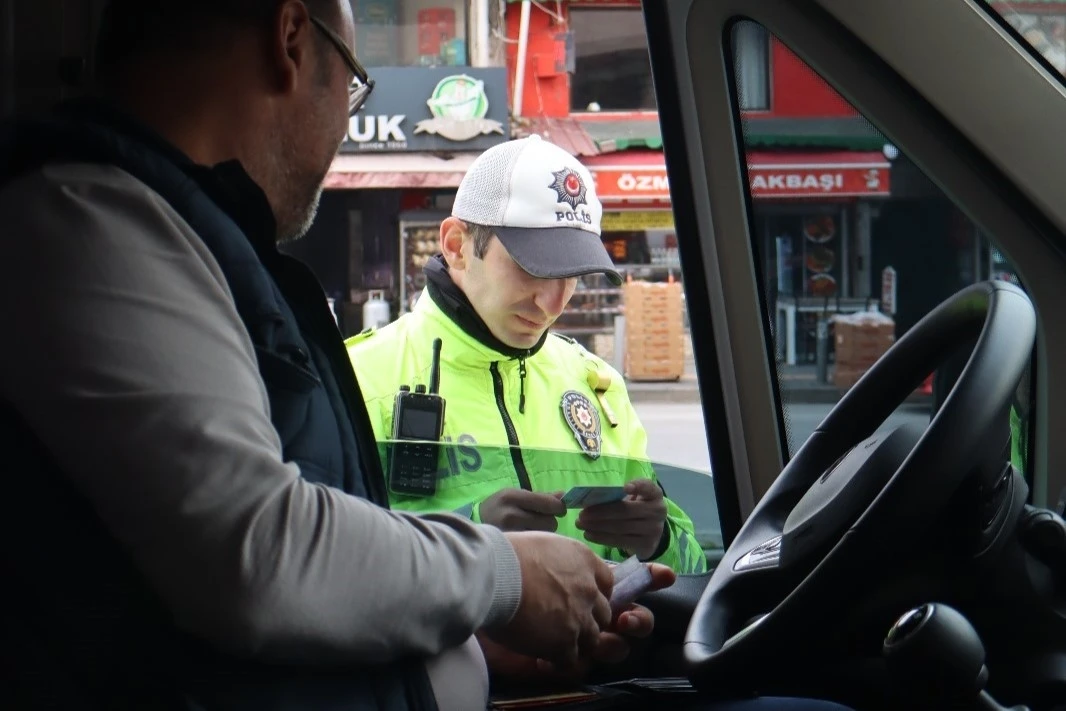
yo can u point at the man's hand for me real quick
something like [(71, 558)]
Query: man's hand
[(635, 622), (634, 524), (564, 604), (521, 510), (612, 645)]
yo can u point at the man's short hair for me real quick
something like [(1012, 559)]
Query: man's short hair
[(481, 235), (130, 29)]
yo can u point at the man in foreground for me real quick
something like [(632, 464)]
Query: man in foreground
[(195, 520)]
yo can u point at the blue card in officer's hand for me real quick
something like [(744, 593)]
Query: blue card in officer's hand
[(581, 497)]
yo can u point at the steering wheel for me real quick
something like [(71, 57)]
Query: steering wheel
[(850, 500)]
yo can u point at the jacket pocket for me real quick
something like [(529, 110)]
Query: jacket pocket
[(280, 371)]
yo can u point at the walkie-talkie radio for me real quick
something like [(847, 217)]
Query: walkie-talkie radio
[(417, 427)]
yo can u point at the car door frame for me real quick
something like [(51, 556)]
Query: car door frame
[(859, 49)]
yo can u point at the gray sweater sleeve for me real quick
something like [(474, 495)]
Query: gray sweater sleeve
[(128, 359)]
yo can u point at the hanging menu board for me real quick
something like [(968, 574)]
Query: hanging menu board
[(820, 256)]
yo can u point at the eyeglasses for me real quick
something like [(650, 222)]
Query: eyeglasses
[(362, 84)]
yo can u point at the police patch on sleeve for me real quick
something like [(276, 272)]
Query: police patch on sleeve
[(584, 421)]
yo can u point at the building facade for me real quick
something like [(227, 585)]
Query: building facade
[(440, 99), (833, 202)]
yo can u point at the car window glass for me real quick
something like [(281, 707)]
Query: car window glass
[(852, 242), (1041, 27), (467, 469)]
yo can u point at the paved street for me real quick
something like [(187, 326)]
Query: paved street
[(676, 435)]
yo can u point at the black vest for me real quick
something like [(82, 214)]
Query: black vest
[(80, 627)]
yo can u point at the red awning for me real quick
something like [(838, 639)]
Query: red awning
[(397, 170), (565, 132), (640, 175)]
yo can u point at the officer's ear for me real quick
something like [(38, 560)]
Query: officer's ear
[(452, 235)]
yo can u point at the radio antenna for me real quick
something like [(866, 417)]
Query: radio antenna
[(434, 372)]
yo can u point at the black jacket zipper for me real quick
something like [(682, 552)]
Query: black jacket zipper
[(512, 435)]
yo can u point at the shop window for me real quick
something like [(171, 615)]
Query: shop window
[(399, 33), (613, 71)]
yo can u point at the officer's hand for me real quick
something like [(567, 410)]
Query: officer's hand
[(634, 524), (564, 605), (521, 510)]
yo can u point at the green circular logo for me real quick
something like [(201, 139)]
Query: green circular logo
[(459, 98)]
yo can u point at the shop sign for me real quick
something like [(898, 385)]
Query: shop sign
[(635, 220), (626, 184), (652, 183), (815, 181), (431, 109)]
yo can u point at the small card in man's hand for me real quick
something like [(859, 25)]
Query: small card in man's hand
[(631, 580)]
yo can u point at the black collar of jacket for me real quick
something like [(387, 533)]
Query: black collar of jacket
[(450, 299), (226, 183)]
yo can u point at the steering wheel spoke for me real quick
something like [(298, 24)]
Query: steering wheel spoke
[(765, 555)]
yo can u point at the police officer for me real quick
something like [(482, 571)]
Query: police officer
[(529, 414)]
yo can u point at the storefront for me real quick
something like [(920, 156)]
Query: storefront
[(394, 179), (812, 223), (425, 33)]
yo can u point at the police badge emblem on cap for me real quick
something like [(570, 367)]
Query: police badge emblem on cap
[(569, 187), (584, 421)]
